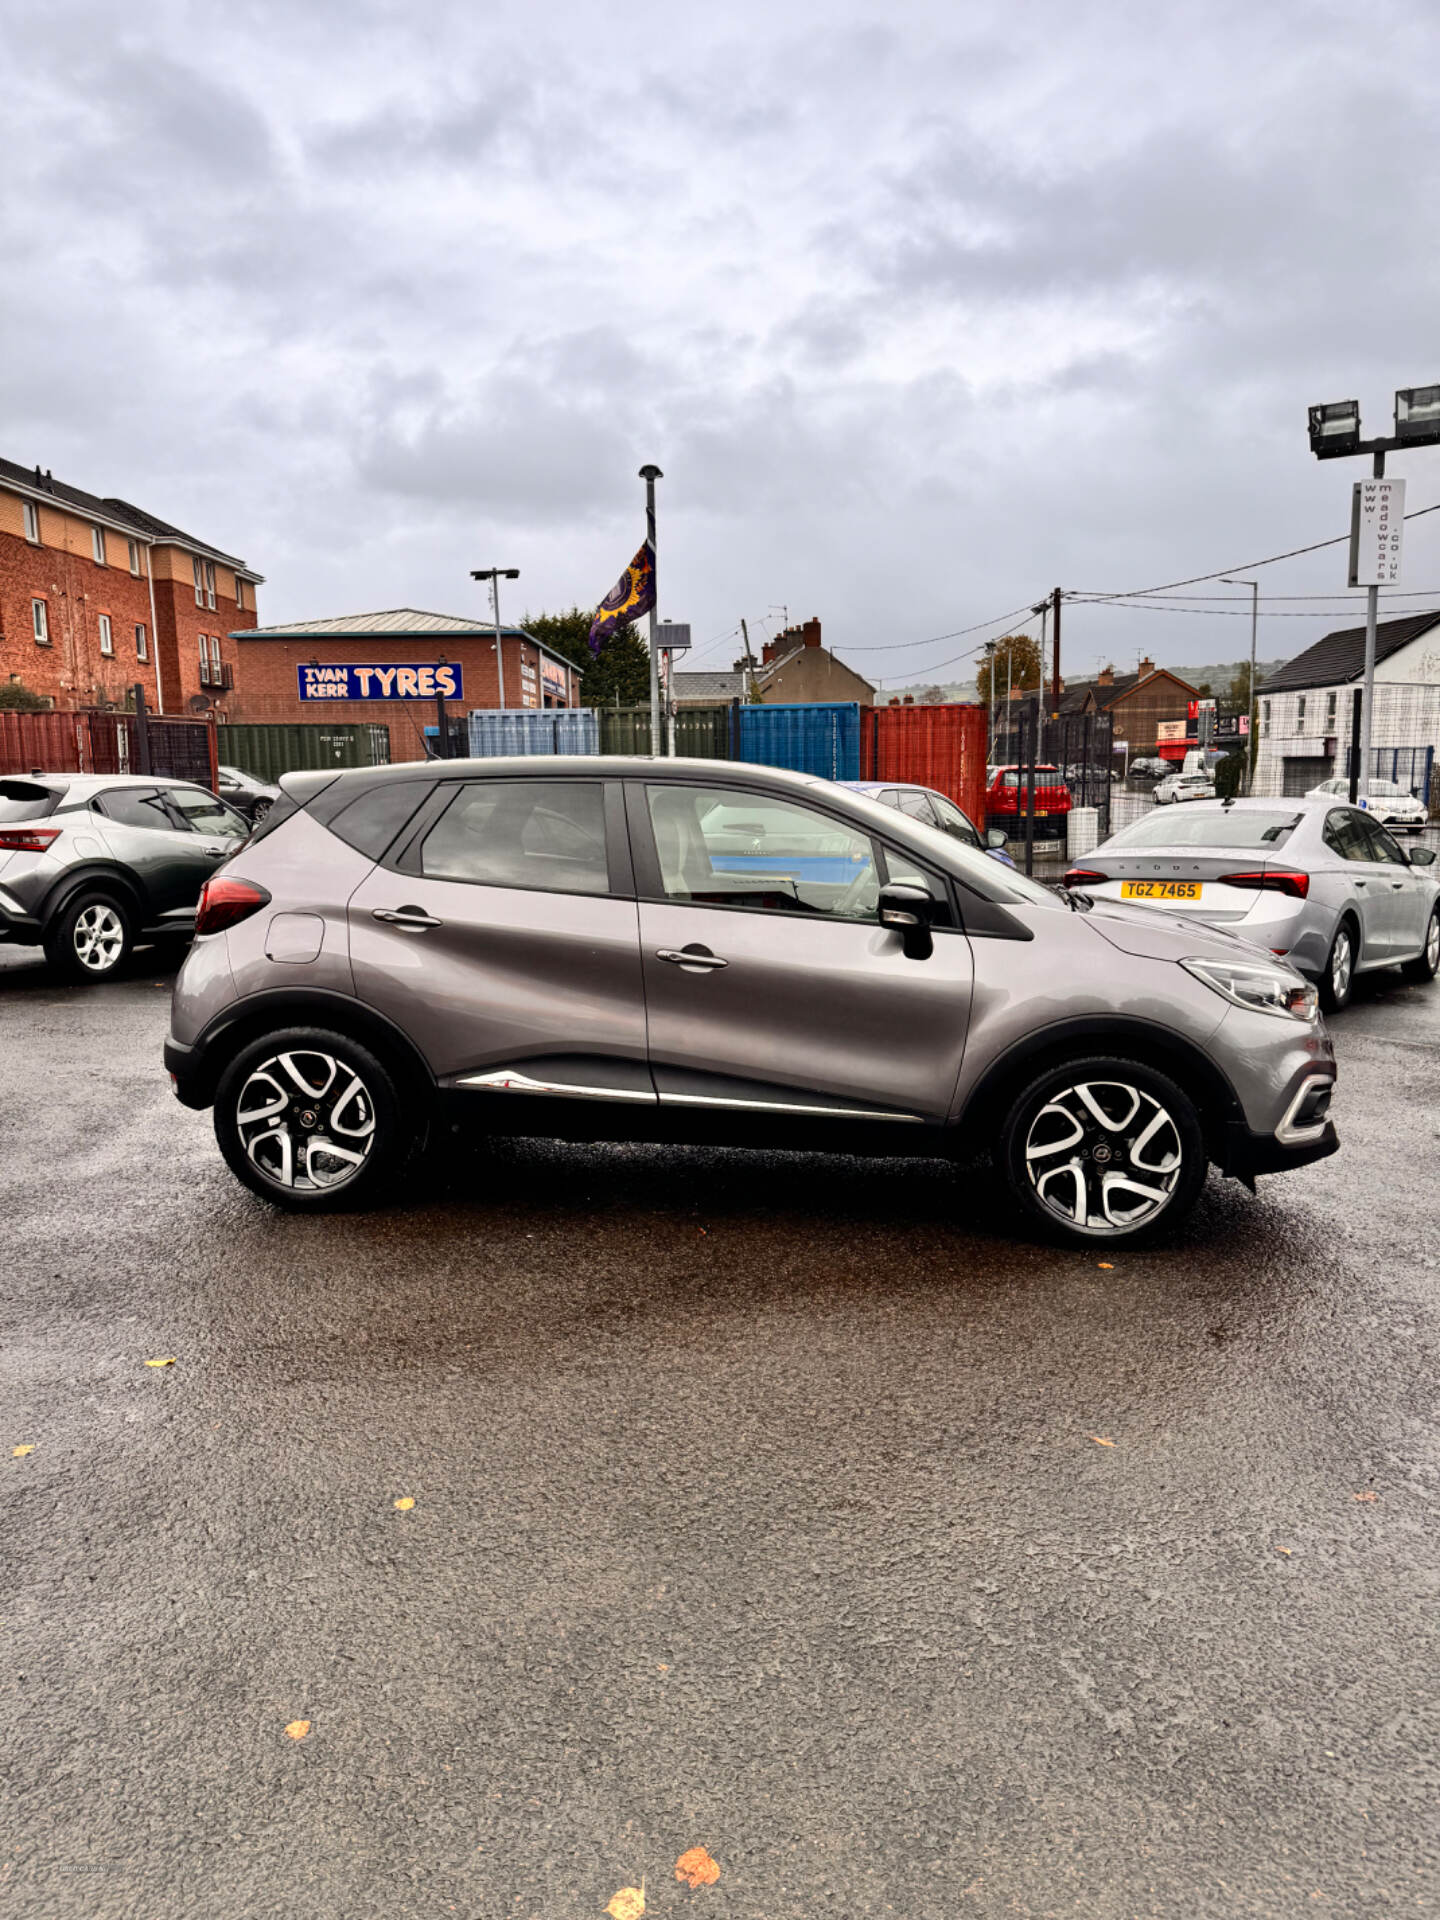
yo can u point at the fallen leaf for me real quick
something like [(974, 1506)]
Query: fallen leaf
[(1100, 1440), (1367, 1496), (405, 1505), (1108, 1265), (697, 1869), (1285, 1550), (168, 1362), (19, 1453), (298, 1729), (628, 1903)]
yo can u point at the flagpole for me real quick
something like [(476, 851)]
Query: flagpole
[(650, 475)]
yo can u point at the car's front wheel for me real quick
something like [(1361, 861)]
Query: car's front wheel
[(259, 811), (90, 938), (313, 1121), (1104, 1149)]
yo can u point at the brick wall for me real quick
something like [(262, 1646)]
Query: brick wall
[(180, 624), (266, 685), (1136, 715), (72, 671)]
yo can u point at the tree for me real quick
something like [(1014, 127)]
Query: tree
[(1016, 662), (15, 698), (620, 673)]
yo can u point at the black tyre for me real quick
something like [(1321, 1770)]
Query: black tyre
[(259, 811), (313, 1121), (1103, 1150), (91, 937), (1337, 982), (1427, 962)]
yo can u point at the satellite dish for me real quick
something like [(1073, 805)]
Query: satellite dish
[(198, 703)]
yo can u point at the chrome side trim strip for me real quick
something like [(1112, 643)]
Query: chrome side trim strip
[(511, 1080), (779, 1106)]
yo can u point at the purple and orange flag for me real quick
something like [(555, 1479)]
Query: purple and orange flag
[(632, 594)]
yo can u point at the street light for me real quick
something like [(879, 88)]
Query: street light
[(1254, 586), (1335, 432), (495, 575)]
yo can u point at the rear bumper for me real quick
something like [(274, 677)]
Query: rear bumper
[(191, 1090), (17, 925)]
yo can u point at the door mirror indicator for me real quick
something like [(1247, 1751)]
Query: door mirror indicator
[(908, 911), (995, 838)]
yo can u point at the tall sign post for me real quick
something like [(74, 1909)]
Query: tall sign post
[(650, 474), (1377, 517)]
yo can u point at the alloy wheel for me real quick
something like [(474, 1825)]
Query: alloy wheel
[(1342, 964), (1103, 1156), (307, 1120), (99, 937), (1432, 944)]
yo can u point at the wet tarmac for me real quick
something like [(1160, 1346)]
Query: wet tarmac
[(797, 1510)]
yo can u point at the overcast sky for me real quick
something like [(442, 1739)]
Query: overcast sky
[(923, 309)]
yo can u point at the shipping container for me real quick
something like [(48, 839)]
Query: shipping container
[(40, 742), (266, 751), (942, 747), (500, 731), (705, 733), (821, 738), (109, 742)]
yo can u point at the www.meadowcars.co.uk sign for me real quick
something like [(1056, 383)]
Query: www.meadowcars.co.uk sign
[(412, 682)]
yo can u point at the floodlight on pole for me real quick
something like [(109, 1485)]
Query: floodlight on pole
[(1335, 429), (495, 575), (1417, 416)]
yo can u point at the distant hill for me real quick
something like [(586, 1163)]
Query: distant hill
[(1218, 676), (1221, 676)]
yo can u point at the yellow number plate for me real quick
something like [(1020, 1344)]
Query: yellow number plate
[(1160, 890)]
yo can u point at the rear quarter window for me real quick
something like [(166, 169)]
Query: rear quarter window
[(370, 823), (25, 800)]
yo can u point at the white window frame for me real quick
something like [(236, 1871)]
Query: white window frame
[(1264, 718), (107, 636), (135, 558), (215, 678), (97, 546), (142, 642), (210, 584), (239, 593), (199, 573), (1300, 714), (40, 619), (204, 661), (32, 522)]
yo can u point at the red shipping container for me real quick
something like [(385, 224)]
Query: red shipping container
[(49, 741), (941, 747)]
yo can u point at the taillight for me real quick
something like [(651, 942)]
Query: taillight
[(226, 901), (1084, 877), (1297, 885), (27, 839)]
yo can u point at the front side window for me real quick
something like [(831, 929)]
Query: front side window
[(32, 523), (203, 813), (717, 847), (40, 620), (1382, 847), (955, 822), (918, 807), (107, 638), (97, 545), (142, 646), (544, 835)]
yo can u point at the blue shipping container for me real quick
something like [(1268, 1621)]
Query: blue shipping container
[(499, 731), (823, 738)]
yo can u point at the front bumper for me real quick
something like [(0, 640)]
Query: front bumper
[(1247, 1155)]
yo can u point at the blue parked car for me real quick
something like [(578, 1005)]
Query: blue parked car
[(923, 803)]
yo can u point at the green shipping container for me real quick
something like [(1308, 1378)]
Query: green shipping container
[(703, 732), (285, 747)]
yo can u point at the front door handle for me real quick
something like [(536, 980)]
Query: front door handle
[(215, 852), (408, 919), (697, 959)]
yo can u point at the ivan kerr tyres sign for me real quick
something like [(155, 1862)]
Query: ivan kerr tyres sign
[(412, 682)]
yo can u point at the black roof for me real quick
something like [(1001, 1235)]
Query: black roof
[(109, 509), (1340, 656)]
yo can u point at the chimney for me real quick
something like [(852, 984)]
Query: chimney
[(767, 653), (1105, 677), (1147, 665), (810, 633), (909, 699), (893, 701)]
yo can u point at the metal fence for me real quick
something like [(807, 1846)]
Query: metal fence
[(1081, 745), (110, 742)]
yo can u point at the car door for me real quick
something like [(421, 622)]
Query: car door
[(957, 824), (144, 836), (1366, 883), (769, 983), (499, 931), (214, 832), (1405, 894)]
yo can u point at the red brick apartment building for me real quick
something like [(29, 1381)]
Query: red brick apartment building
[(352, 654), (96, 595)]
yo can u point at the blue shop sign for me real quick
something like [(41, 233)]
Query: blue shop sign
[(415, 680)]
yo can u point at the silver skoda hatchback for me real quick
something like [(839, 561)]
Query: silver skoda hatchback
[(699, 951)]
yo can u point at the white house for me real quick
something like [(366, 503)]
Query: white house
[(1305, 710)]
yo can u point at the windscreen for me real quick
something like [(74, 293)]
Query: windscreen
[(24, 800), (1214, 827)]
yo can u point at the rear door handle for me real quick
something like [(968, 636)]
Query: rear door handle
[(699, 958), (216, 852), (409, 919)]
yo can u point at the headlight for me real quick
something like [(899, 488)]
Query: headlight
[(1260, 988)]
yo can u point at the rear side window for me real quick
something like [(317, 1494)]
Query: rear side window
[(370, 823), (279, 813), (543, 835), (917, 806), (24, 800), (136, 807)]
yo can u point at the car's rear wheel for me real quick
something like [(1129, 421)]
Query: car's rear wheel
[(1104, 1150), (91, 937), (1338, 980), (259, 811), (1426, 964), (313, 1121)]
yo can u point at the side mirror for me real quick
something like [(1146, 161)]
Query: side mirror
[(1422, 856), (907, 910), (995, 838)]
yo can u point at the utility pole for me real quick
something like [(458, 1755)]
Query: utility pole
[(1055, 599), (495, 575), (990, 692), (749, 661), (650, 474)]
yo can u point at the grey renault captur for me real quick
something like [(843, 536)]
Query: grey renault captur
[(698, 951)]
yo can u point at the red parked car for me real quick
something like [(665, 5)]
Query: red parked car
[(1006, 794)]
